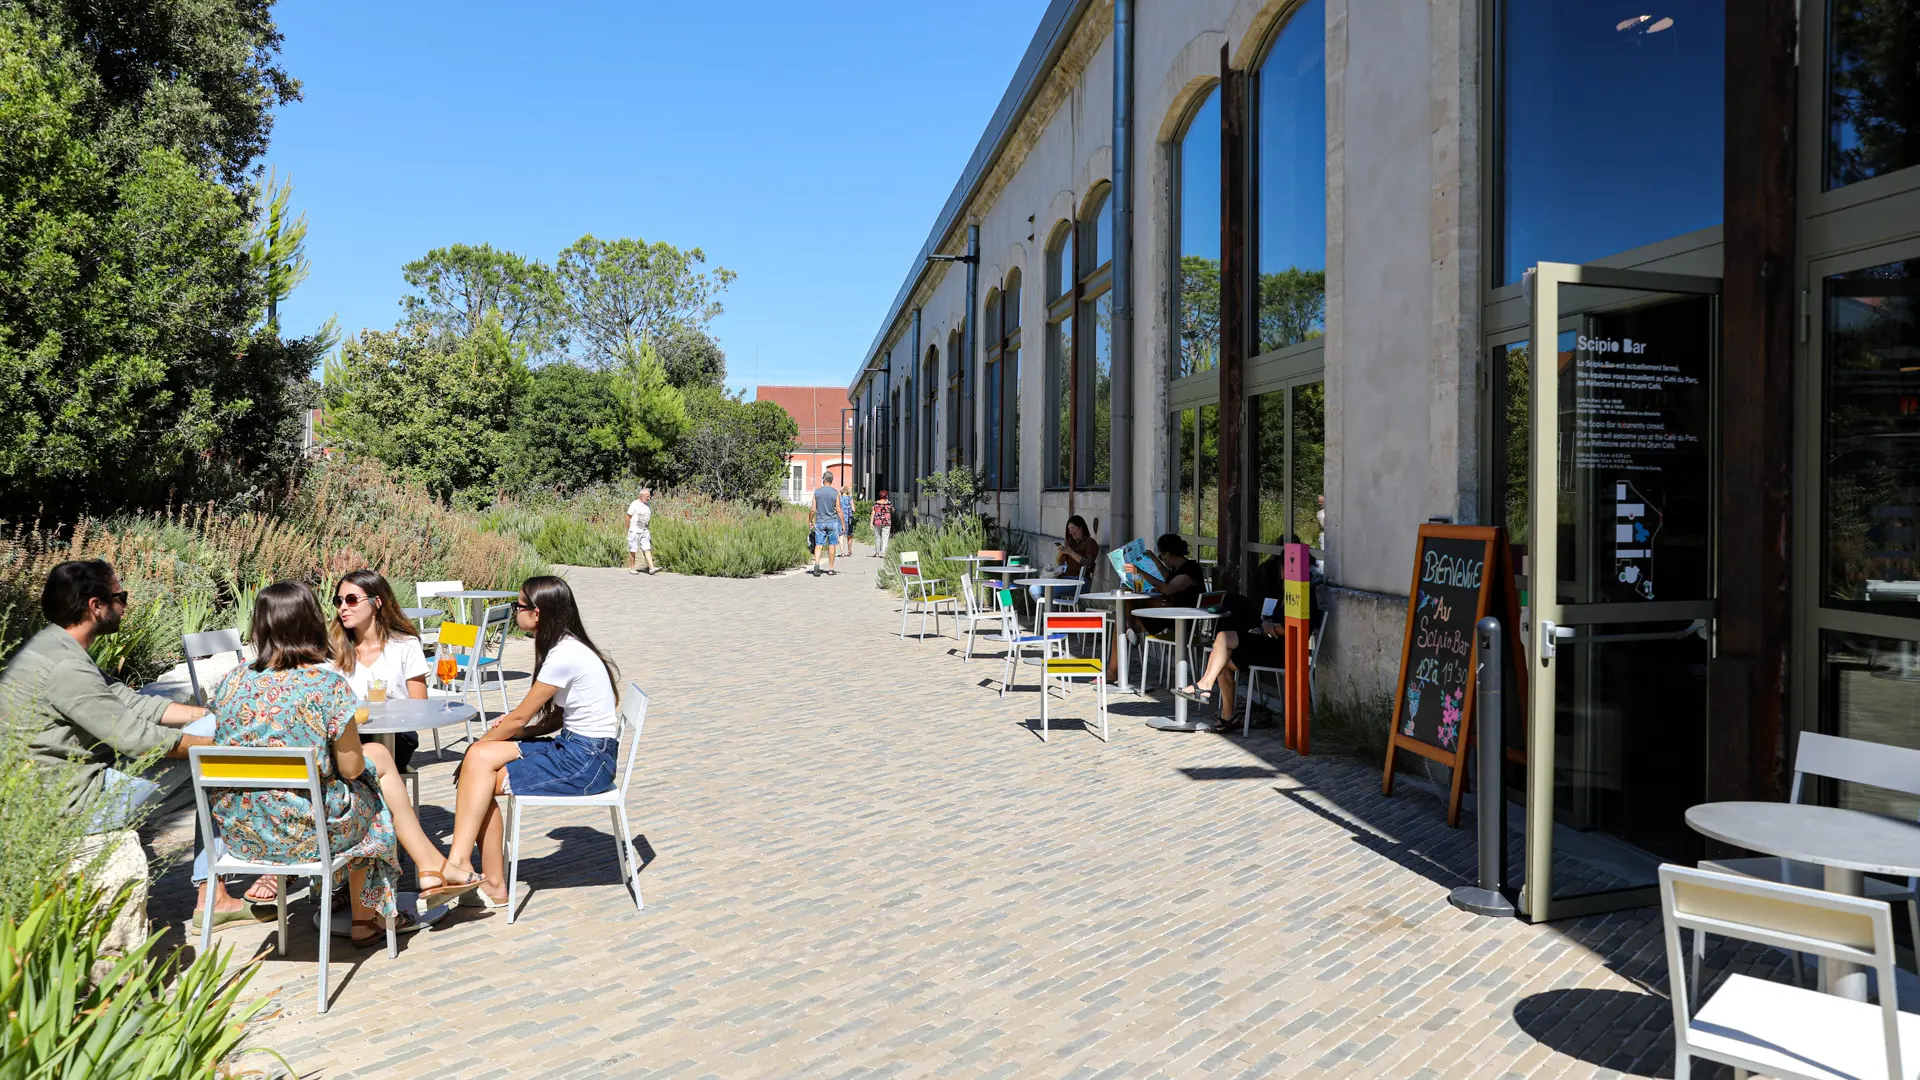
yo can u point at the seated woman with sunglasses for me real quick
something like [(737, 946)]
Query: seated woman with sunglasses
[(572, 691), (289, 697), (372, 640)]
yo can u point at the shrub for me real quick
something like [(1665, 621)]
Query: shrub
[(964, 534), (570, 540), (718, 539), (72, 1010)]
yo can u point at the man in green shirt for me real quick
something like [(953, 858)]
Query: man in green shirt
[(70, 712)]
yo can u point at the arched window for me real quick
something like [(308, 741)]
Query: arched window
[(1059, 360), (1094, 373), (1291, 208), (994, 382), (1197, 238), (1003, 385), (954, 386), (930, 408)]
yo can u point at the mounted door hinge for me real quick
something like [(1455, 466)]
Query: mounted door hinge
[(1806, 318)]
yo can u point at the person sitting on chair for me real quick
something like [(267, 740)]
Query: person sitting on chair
[(1244, 640)]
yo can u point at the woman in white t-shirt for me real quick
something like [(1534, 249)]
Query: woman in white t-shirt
[(373, 641), (572, 692)]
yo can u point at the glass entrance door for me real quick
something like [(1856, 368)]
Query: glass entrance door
[(1619, 579)]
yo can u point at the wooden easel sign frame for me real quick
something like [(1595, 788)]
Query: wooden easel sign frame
[(1460, 574)]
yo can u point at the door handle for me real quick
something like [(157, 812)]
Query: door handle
[(1696, 628), (1551, 634)]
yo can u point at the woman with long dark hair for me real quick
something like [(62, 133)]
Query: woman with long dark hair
[(289, 697), (377, 648), (572, 692)]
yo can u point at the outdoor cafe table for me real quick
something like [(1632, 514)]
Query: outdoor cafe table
[(422, 612), (465, 595), (1007, 572), (1849, 844), (388, 718), (1180, 617), (1118, 598)]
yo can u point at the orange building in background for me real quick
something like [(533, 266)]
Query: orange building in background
[(826, 436)]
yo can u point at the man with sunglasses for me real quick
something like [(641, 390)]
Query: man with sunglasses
[(72, 714)]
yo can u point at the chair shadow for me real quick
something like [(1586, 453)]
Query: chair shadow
[(584, 859), (1554, 1018)]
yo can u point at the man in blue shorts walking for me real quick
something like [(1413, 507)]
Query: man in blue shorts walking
[(828, 523)]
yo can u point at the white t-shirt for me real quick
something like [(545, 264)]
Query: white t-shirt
[(639, 514), (402, 659), (582, 691)]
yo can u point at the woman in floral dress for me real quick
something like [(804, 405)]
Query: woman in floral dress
[(287, 698)]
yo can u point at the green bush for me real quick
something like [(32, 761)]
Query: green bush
[(578, 542), (961, 535), (730, 545), (72, 1010)]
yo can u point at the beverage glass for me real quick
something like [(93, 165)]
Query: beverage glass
[(376, 691), (446, 669)]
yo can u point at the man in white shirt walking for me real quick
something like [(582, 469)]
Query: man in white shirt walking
[(639, 534)]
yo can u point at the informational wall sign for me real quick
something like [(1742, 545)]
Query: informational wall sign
[(1461, 573), (1640, 456)]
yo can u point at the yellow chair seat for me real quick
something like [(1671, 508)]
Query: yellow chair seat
[(936, 599), (1075, 665)]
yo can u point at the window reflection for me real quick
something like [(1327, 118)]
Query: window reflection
[(1309, 515), (1870, 690), (1059, 358), (1292, 133), (1199, 229), (1612, 121), (1267, 421), (1209, 468), (1185, 511), (1095, 390), (1873, 89), (1872, 439)]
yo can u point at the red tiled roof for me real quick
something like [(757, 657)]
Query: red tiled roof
[(816, 409)]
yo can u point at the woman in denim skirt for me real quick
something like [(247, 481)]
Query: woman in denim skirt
[(572, 692)]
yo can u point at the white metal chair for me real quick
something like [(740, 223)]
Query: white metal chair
[(1280, 673), (293, 769), (918, 588), (1895, 768), (633, 718), (975, 614), (1017, 641), (209, 643), (424, 591), (1771, 1028), (1057, 628)]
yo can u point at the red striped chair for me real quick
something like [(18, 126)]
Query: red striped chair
[(917, 588), (1059, 628)]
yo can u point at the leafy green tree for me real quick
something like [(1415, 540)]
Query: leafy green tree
[(1199, 314), (1293, 307), (692, 358), (570, 431), (653, 410), (128, 300), (459, 286), (623, 293), (734, 449), (437, 407), (279, 247)]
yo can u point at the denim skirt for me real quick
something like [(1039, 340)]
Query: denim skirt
[(567, 764)]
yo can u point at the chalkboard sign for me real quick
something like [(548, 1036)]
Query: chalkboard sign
[(1460, 574)]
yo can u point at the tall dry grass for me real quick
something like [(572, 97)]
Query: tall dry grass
[(190, 568)]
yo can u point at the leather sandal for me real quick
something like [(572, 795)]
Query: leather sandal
[(443, 890), (403, 923)]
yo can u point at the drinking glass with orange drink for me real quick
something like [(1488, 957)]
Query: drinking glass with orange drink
[(446, 669)]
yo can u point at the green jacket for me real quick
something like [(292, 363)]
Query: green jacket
[(71, 712)]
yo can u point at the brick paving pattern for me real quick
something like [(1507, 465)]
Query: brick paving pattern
[(861, 862)]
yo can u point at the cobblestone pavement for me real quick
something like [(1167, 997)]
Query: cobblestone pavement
[(861, 862)]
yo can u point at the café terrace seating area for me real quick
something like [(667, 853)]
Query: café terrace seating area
[(862, 848)]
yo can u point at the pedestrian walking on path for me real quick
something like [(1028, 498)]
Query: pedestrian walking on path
[(640, 533), (882, 523), (828, 523), (846, 516)]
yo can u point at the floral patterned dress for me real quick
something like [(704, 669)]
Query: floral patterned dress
[(308, 706)]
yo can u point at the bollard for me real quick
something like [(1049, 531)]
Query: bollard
[(1485, 896)]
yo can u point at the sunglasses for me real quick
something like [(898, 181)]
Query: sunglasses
[(117, 597), (519, 607), (350, 601)]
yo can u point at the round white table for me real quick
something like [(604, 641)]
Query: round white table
[(465, 595), (1181, 617), (388, 718), (422, 612), (1118, 598), (1848, 844)]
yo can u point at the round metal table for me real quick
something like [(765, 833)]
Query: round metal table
[(1118, 598), (1848, 844), (423, 612), (388, 718), (1180, 617)]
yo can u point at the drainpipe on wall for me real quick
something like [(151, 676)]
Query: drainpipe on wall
[(970, 445), (912, 472), (1119, 528)]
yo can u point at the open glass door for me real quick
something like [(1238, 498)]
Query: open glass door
[(1619, 580)]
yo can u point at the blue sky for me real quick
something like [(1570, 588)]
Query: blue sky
[(807, 147)]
